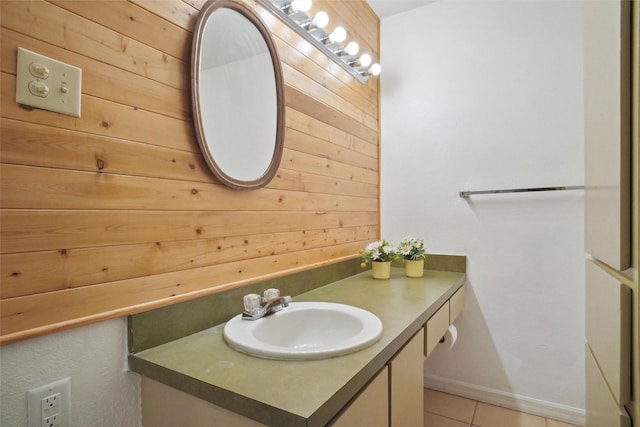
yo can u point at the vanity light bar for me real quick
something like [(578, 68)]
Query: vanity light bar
[(304, 25)]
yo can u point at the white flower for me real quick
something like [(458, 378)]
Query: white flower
[(381, 250), (372, 246), (412, 248)]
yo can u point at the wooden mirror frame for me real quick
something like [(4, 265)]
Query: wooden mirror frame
[(207, 10)]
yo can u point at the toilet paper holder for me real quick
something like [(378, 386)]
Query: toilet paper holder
[(452, 334)]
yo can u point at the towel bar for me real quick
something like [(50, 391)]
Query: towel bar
[(466, 194)]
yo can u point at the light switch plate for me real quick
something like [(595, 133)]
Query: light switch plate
[(48, 84)]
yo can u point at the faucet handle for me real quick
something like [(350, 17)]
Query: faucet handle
[(252, 303), (271, 293)]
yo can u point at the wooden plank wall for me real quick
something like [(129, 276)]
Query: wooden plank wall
[(115, 212)]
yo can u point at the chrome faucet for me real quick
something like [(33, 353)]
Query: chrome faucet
[(257, 307)]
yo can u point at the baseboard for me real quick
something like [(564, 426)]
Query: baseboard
[(526, 404)]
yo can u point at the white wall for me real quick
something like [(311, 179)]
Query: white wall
[(488, 95), (103, 393)]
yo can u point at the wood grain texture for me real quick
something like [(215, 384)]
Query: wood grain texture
[(116, 212)]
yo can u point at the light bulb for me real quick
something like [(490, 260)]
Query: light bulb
[(301, 5), (365, 60), (321, 19), (375, 70), (352, 48), (338, 35)]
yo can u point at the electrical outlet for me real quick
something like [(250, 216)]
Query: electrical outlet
[(50, 405), (51, 421)]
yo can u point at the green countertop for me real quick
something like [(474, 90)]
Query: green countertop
[(301, 393)]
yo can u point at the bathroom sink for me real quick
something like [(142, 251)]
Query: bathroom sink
[(305, 330)]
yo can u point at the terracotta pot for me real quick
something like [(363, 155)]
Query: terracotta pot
[(381, 270), (414, 268)]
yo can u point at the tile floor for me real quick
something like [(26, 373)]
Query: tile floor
[(447, 410)]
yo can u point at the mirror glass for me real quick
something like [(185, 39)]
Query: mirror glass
[(237, 95)]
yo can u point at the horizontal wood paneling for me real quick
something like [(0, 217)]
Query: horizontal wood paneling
[(29, 230), (309, 86), (115, 212), (311, 126), (43, 312), (319, 75), (323, 112), (142, 93), (27, 187), (52, 24), (31, 144), (179, 13), (103, 117), (133, 21), (45, 271)]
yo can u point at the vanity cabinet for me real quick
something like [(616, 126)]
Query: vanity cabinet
[(198, 380), (394, 398)]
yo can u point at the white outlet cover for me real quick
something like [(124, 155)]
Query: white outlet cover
[(62, 83), (35, 399)]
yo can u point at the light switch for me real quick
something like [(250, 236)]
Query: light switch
[(39, 89), (48, 84), (39, 70)]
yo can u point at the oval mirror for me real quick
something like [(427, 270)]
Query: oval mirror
[(237, 95)]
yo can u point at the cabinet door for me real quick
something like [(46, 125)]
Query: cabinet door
[(164, 406), (371, 407), (607, 132), (436, 327), (407, 384)]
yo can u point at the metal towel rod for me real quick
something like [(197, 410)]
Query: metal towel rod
[(466, 194)]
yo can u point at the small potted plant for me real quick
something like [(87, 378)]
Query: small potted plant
[(380, 254), (413, 253)]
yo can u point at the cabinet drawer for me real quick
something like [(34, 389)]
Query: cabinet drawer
[(456, 304), (607, 328), (436, 327)]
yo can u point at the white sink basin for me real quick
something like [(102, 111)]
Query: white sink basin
[(305, 330)]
